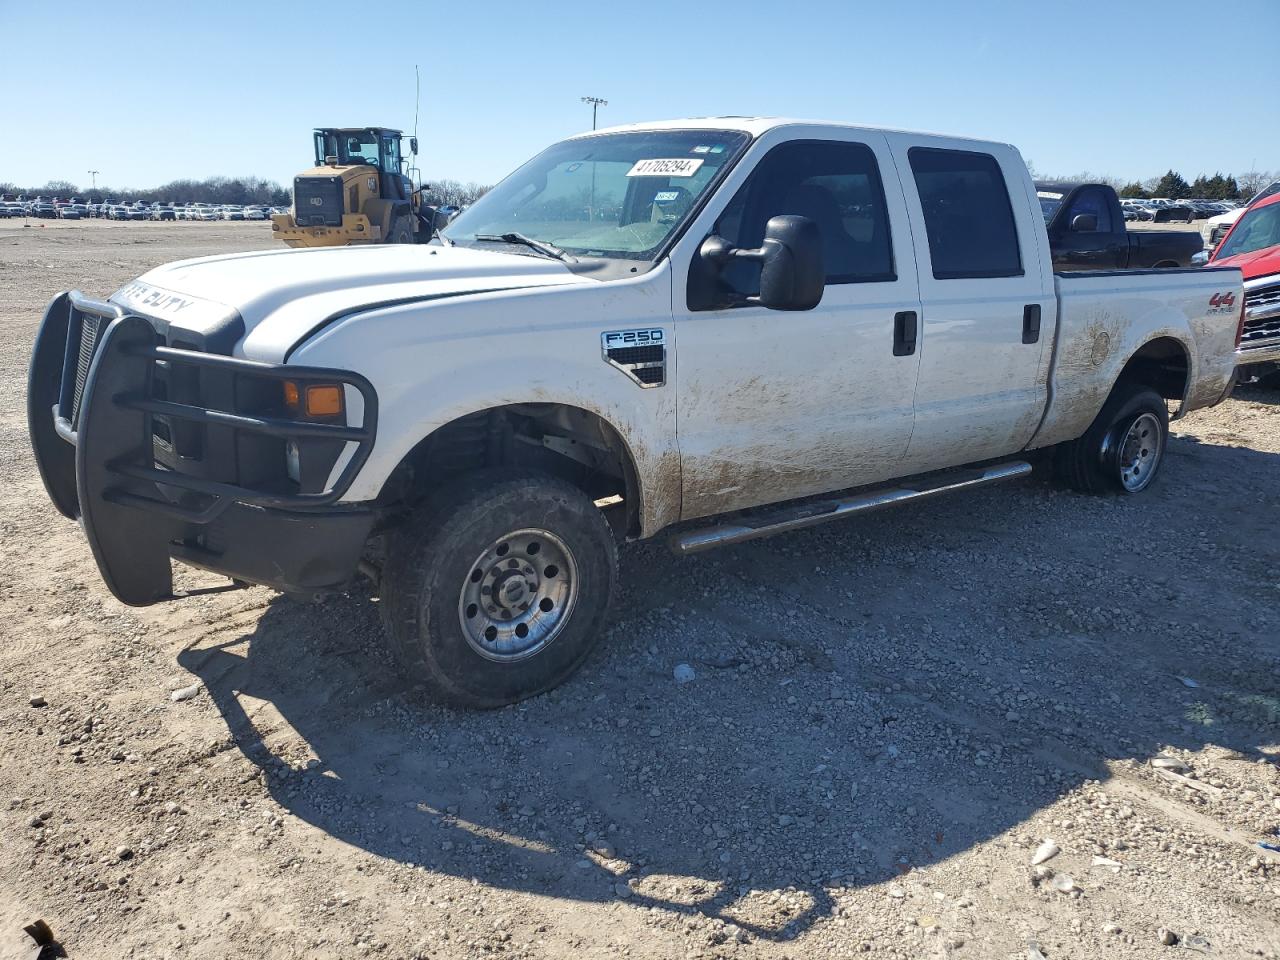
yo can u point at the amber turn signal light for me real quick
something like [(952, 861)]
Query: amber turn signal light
[(324, 400)]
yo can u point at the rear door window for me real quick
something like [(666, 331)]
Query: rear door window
[(967, 214)]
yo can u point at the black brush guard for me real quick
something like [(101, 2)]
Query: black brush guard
[(90, 419)]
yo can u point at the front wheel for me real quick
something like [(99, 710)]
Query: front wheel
[(401, 230), (498, 587), (1123, 450)]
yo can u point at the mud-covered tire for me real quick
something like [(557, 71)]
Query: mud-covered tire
[(446, 551), (401, 230), (1123, 449)]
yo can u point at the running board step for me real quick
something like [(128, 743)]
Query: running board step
[(813, 513)]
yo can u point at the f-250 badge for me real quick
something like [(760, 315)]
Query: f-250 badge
[(640, 354)]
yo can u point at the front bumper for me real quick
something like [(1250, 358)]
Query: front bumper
[(1262, 353), (109, 446), (355, 228)]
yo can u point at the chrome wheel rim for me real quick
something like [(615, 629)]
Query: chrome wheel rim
[(518, 595), (1140, 452)]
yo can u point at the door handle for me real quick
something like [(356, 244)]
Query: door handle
[(1031, 323), (904, 333)]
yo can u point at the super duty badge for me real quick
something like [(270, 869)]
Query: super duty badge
[(640, 354)]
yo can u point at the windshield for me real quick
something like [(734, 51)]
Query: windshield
[(349, 146), (614, 197), (1258, 229), (1049, 206)]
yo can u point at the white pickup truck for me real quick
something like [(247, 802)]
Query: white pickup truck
[(724, 328)]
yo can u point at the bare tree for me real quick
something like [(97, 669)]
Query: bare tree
[(240, 190), (444, 193), (1254, 180)]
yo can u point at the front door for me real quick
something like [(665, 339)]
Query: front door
[(777, 405), (1105, 247)]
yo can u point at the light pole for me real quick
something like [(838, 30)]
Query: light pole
[(94, 174), (596, 104)]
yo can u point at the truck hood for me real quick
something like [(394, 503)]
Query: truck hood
[(261, 304), (1230, 217), (1256, 263)]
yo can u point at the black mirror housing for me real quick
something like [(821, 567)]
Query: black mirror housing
[(792, 268), (793, 274), (1084, 223), (413, 145)]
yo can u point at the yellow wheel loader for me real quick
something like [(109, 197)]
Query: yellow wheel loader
[(359, 191)]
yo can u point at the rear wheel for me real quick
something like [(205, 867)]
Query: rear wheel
[(497, 588), (1123, 450)]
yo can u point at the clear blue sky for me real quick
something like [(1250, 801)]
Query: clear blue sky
[(151, 91)]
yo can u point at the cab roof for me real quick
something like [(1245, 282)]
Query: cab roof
[(358, 130), (760, 125)]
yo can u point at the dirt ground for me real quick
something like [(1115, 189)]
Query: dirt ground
[(888, 718)]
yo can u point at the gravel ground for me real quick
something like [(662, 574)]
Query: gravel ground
[(887, 720)]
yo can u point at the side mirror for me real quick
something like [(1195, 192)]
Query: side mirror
[(413, 145), (792, 270), (1200, 258), (1084, 223)]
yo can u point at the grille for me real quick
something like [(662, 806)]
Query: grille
[(649, 374), (1265, 301), (637, 355), (89, 326), (647, 365), (317, 201)]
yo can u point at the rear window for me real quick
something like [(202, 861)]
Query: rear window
[(967, 214)]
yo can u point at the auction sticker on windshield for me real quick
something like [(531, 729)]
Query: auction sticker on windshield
[(679, 167)]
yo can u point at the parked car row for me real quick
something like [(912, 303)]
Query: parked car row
[(77, 208), (1217, 227), (1164, 210)]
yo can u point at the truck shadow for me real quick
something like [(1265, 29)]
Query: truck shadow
[(870, 699), (1257, 393)]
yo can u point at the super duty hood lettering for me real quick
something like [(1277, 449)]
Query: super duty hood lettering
[(285, 296), (197, 314)]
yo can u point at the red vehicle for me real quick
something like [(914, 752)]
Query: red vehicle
[(1253, 245)]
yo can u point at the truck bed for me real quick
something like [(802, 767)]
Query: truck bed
[(1098, 312)]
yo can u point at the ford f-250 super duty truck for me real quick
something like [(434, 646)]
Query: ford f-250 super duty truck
[(727, 327)]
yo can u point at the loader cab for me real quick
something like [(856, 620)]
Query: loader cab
[(377, 147), (369, 146)]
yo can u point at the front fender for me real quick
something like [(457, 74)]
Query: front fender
[(432, 364)]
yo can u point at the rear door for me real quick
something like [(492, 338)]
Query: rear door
[(986, 297), (777, 405)]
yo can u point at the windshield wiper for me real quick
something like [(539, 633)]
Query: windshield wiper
[(541, 246)]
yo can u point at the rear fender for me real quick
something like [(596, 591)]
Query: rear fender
[(1093, 350)]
